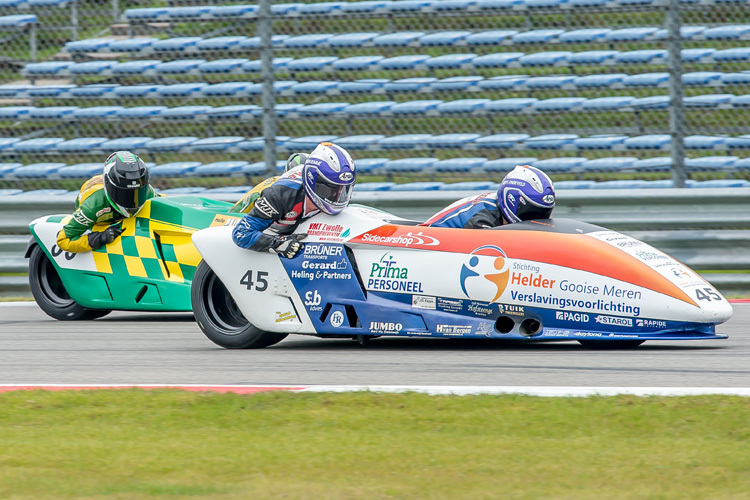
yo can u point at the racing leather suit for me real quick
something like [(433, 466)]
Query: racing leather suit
[(280, 208), (92, 207), (473, 212)]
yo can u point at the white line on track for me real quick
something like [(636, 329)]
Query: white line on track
[(545, 391)]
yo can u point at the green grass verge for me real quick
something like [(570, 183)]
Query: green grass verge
[(168, 444)]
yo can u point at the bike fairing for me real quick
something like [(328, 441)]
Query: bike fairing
[(280, 208), (91, 207), (473, 212)]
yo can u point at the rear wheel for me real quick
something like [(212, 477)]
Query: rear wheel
[(50, 293), (219, 317), (602, 345)]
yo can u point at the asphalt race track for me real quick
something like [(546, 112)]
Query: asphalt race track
[(138, 348)]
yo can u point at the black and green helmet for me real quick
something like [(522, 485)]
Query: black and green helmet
[(295, 160), (126, 182)]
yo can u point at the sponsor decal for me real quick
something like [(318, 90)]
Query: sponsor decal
[(385, 327), (621, 336), (480, 309), (646, 255), (263, 206), (386, 275), (346, 176), (568, 303), (450, 305), (608, 290), (331, 232), (614, 321), (285, 316), (423, 302), (406, 240), (548, 198), (511, 310), (531, 280), (312, 298), (651, 323), (103, 211), (555, 332), (318, 263), (681, 273), (523, 266), (81, 218), (315, 251), (572, 316), (457, 330), (225, 220), (628, 244), (587, 334), (477, 282), (484, 329), (337, 319), (337, 264), (290, 215)]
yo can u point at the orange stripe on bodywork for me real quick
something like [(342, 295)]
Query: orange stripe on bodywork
[(575, 251)]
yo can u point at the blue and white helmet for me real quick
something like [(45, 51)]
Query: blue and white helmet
[(526, 193), (328, 177)]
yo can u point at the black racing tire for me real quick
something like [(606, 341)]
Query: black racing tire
[(605, 345), (219, 317), (50, 293)]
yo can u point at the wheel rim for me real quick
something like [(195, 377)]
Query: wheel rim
[(51, 285), (221, 308)]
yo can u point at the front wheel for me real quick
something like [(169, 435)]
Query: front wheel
[(50, 293), (219, 317), (602, 345)]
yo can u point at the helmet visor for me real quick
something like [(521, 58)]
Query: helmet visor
[(333, 194), (129, 201), (530, 210)]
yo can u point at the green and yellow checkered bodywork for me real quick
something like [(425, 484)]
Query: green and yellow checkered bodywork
[(151, 265)]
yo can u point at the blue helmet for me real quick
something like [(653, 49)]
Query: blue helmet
[(328, 177), (526, 193)]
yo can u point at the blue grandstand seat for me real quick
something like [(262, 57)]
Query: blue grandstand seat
[(552, 58), (538, 36), (126, 143), (227, 89), (178, 67), (418, 186), (220, 43), (500, 141), (452, 5), (52, 112), (259, 168), (512, 105), (6, 142), (182, 191), (306, 41), (48, 90), (451, 140), (444, 38), (493, 37), (551, 82), (47, 68), (221, 143), (320, 8), (498, 4), (407, 165), (365, 7), (259, 144), (601, 141), (707, 100), (359, 141), (740, 142), (37, 170), (705, 142), (373, 186), (323, 108), (17, 20), (630, 34), (608, 164), (140, 112), (593, 57), (253, 43), (136, 90), (615, 102), (90, 45), (81, 170), (176, 169), (170, 143), (197, 12), (317, 63), (357, 63), (96, 112), (508, 164), (409, 84), (36, 145), (660, 79), (41, 193), (403, 62), (368, 165), (650, 141), (658, 164), (469, 186), (226, 11), (309, 142), (220, 168), (735, 32), (459, 164), (82, 144), (741, 164), (94, 90), (367, 85), (314, 87), (398, 39), (710, 163), (351, 39), (132, 45), (595, 81), (701, 78), (559, 104), (573, 185), (185, 112), (14, 112), (718, 183), (178, 44), (370, 108), (181, 89), (740, 100), (586, 35), (621, 184), (645, 56), (145, 67), (497, 60), (7, 169), (652, 102), (450, 61), (8, 192), (462, 106), (559, 165), (551, 141), (456, 83), (408, 6), (223, 66), (416, 107)]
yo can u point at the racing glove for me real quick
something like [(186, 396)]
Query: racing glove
[(288, 246), (98, 239)]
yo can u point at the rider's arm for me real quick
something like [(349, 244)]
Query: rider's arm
[(486, 218), (72, 237), (269, 207)]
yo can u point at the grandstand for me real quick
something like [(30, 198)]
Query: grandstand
[(428, 95)]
